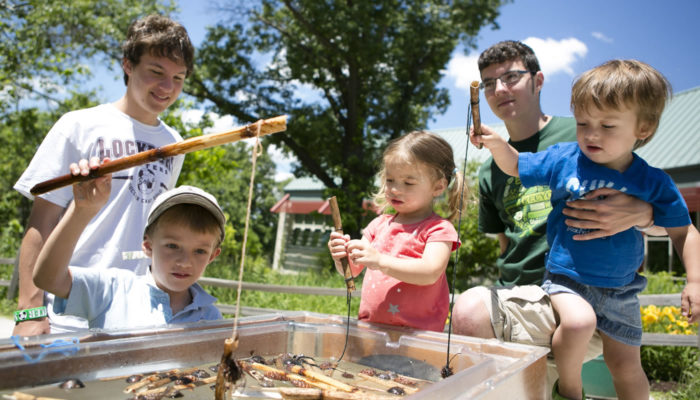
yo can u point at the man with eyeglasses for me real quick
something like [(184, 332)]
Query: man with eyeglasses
[(517, 309)]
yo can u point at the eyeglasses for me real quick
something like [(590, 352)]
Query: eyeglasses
[(508, 78)]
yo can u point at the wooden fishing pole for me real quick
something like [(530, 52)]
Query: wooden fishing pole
[(476, 117), (267, 126), (347, 272), (338, 226)]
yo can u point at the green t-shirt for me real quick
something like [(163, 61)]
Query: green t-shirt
[(505, 206)]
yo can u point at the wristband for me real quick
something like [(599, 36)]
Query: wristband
[(645, 228), (30, 313)]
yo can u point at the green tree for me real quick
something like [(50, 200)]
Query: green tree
[(225, 171), (371, 68), (478, 253), (46, 46), (20, 134), (45, 51)]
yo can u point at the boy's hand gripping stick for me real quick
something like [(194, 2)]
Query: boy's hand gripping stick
[(335, 213)]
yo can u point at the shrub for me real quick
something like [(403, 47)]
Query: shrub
[(667, 363), (690, 384)]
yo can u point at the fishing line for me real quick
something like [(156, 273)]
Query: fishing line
[(447, 370), (347, 327)]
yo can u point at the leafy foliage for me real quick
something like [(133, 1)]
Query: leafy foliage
[(477, 255), (663, 282), (20, 135), (46, 45), (668, 363), (224, 171), (370, 70), (690, 383), (45, 50)]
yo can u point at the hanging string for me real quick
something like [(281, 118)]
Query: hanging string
[(347, 327), (447, 370), (257, 150)]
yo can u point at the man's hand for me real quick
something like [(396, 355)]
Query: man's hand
[(614, 213), (32, 327)]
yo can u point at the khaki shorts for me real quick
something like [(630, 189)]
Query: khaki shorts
[(519, 314), (524, 314)]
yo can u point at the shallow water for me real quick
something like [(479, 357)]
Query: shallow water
[(248, 387)]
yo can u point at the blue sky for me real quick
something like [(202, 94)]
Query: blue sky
[(568, 37)]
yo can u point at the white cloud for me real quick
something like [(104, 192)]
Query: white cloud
[(463, 69), (557, 56), (220, 123), (283, 163), (192, 116), (601, 36)]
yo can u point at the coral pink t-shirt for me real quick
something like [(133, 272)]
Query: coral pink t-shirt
[(388, 300)]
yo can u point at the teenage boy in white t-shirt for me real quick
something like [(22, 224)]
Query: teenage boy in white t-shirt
[(157, 57)]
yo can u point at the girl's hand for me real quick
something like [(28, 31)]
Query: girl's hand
[(336, 245), (690, 302), (362, 252), (91, 195)]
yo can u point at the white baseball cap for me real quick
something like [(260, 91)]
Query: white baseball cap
[(187, 195)]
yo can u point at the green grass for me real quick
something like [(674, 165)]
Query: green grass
[(258, 273)]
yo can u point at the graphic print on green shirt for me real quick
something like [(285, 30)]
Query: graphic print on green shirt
[(505, 206), (526, 207)]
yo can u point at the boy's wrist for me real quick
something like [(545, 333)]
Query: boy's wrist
[(646, 227), (30, 314)]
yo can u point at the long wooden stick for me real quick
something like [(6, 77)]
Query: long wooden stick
[(299, 370), (476, 116), (338, 225), (320, 394), (272, 125)]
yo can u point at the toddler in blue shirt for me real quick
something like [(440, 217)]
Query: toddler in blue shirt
[(184, 231), (594, 284)]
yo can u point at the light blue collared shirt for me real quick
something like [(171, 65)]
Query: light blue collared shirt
[(115, 298)]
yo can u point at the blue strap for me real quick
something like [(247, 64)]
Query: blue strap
[(65, 347)]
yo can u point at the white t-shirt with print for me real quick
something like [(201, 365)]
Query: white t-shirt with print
[(113, 238)]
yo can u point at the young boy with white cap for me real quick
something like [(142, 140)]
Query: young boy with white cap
[(183, 234)]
